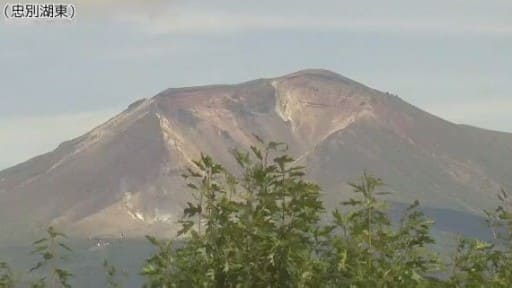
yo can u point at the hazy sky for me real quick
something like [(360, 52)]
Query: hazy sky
[(59, 79)]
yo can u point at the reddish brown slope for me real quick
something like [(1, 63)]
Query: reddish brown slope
[(123, 177)]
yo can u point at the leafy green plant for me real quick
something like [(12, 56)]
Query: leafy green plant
[(265, 226), (112, 276), (365, 250), (262, 228), (159, 269), (51, 251), (481, 264), (6, 276), (253, 230)]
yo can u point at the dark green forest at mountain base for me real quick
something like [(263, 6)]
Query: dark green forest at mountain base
[(265, 226)]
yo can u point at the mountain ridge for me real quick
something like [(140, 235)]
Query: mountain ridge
[(124, 175)]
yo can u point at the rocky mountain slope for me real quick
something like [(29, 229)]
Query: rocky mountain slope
[(123, 177)]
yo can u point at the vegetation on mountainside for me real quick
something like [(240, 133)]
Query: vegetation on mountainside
[(266, 227)]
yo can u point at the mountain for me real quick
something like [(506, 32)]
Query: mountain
[(123, 177)]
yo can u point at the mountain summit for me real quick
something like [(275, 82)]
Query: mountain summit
[(123, 177)]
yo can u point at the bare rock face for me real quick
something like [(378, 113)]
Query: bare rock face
[(123, 177)]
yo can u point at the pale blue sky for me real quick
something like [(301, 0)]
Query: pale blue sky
[(58, 80)]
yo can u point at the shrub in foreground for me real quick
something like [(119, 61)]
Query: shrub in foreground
[(265, 226)]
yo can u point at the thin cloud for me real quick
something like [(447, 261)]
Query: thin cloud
[(221, 22), (396, 17), (228, 16)]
